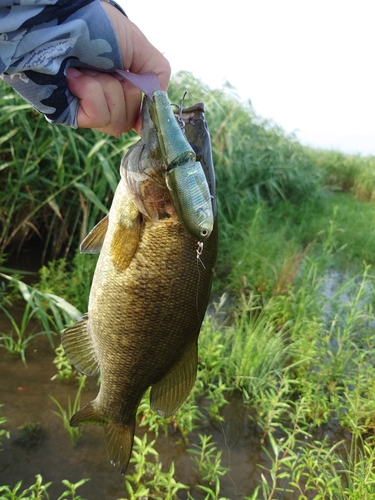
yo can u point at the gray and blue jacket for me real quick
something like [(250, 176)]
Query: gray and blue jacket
[(41, 39)]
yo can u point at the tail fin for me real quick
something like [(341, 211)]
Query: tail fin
[(118, 436), (119, 441)]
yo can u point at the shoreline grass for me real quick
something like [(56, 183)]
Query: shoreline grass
[(292, 334)]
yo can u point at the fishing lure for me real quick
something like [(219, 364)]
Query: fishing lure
[(185, 177)]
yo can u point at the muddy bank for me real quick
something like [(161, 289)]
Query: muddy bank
[(25, 397)]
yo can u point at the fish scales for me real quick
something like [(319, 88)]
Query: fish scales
[(148, 298)]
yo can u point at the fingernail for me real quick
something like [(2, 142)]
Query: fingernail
[(73, 73), (90, 72)]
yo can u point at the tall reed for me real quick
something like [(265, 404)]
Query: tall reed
[(54, 182)]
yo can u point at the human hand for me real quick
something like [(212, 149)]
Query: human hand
[(106, 103)]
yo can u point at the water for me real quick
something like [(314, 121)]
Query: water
[(25, 397), (24, 393)]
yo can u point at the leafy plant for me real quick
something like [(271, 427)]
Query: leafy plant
[(65, 370), (17, 341), (38, 491), (66, 414), (42, 303), (148, 479), (54, 181), (3, 432), (208, 463), (72, 489)]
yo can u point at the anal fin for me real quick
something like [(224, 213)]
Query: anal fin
[(79, 348), (170, 392), (87, 416)]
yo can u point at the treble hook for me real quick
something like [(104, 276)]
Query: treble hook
[(180, 120)]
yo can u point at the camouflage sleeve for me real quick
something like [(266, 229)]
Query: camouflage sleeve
[(41, 39)]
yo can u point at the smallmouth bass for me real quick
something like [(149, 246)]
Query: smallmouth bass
[(149, 294)]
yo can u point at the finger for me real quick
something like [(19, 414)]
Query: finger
[(147, 58), (138, 54), (103, 103), (117, 117), (93, 110)]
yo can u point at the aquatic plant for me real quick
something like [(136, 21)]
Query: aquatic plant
[(207, 459), (31, 435), (65, 370), (72, 488), (52, 311), (54, 181), (38, 490), (148, 479), (19, 338), (66, 414), (3, 432), (70, 280)]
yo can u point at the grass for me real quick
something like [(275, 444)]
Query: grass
[(19, 338), (292, 332), (74, 433), (54, 182), (346, 173)]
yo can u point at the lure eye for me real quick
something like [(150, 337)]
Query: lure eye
[(204, 233)]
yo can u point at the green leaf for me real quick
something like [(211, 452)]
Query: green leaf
[(86, 191), (108, 172)]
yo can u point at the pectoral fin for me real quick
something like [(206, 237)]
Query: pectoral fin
[(79, 348), (94, 240), (125, 242), (172, 390)]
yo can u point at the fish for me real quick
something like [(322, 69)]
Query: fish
[(184, 175), (149, 293), (185, 178)]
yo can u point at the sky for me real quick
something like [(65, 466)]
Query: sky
[(306, 65)]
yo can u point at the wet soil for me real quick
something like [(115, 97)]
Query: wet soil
[(24, 393)]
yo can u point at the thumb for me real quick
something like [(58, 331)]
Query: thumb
[(138, 54)]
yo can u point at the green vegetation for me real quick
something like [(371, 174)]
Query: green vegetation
[(66, 414), (38, 490), (3, 432), (31, 434), (149, 481), (290, 336), (54, 182), (18, 340)]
